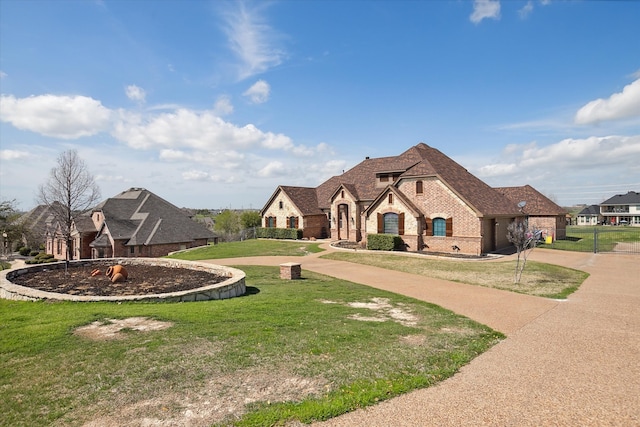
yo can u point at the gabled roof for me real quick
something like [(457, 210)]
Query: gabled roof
[(84, 224), (142, 218), (475, 192), (631, 197), (590, 210), (362, 177), (38, 219), (403, 199), (304, 198), (537, 203)]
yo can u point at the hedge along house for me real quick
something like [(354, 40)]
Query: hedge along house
[(432, 202)]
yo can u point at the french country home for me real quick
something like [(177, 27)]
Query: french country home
[(431, 201)]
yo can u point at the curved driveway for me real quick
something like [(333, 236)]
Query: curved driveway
[(564, 363)]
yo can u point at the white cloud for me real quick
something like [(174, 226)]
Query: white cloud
[(567, 155), (195, 175), (483, 9), (223, 106), (197, 130), (136, 93), (2, 74), (526, 10), (65, 117), (13, 154), (252, 40), (618, 106), (259, 92), (272, 169)]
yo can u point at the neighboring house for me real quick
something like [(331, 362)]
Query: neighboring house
[(432, 202), (589, 216), (135, 223), (622, 209), (543, 214), (37, 223)]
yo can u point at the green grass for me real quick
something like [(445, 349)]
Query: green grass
[(282, 338), (250, 248), (538, 279), (5, 265), (581, 239)]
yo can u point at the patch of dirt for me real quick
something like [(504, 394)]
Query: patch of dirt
[(223, 398), (142, 280), (384, 311), (111, 329)]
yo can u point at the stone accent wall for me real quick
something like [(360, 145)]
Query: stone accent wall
[(282, 214), (232, 287), (351, 224)]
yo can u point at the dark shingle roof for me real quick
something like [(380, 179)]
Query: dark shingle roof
[(142, 218), (631, 197), (419, 161), (537, 203), (590, 210), (305, 199)]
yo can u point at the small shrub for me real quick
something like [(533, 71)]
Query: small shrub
[(384, 242), (24, 251), (44, 255), (34, 253)]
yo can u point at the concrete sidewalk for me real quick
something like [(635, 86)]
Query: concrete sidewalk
[(564, 363)]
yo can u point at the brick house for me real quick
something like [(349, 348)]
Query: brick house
[(134, 223), (542, 212), (432, 202)]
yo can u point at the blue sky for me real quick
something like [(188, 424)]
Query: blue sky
[(215, 103)]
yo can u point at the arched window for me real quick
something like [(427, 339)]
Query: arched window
[(293, 222), (271, 222), (439, 227), (419, 187), (391, 223)]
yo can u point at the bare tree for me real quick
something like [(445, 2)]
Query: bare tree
[(10, 228), (70, 190), (525, 241)]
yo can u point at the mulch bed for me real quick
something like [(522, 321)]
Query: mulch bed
[(142, 280)]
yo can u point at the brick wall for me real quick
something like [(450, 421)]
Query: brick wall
[(551, 225)]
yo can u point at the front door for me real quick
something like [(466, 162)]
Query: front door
[(343, 222)]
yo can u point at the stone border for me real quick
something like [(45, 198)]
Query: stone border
[(234, 286)]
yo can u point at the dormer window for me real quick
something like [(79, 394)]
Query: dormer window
[(419, 187), (384, 178)]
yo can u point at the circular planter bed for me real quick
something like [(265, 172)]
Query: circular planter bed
[(149, 279)]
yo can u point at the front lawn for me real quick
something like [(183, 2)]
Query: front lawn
[(539, 279), (250, 248), (606, 238), (303, 350)]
